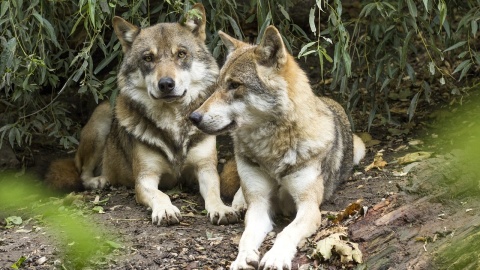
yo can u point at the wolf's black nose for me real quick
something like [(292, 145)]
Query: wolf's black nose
[(196, 118), (166, 85)]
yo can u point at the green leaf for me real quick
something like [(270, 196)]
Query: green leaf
[(12, 136), (385, 83), (98, 209), (348, 63), (474, 24), (465, 70), (371, 117), (91, 11), (284, 12), (457, 45), (412, 8), (446, 26), (311, 21), (367, 9), (19, 262), (461, 66), (4, 8), (15, 220), (410, 72), (425, 3), (325, 54), (442, 7), (80, 71), (104, 6), (105, 62), (264, 26), (114, 245), (300, 30), (427, 90), (235, 27), (413, 106), (403, 56), (305, 47), (48, 27), (79, 20)]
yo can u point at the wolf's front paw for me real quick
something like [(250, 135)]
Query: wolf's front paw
[(246, 260), (277, 259), (98, 182), (222, 215), (166, 214)]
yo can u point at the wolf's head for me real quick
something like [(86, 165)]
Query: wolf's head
[(254, 86), (166, 61)]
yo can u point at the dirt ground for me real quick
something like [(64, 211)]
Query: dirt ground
[(401, 219)]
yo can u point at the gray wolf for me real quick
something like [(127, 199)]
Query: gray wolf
[(147, 141), (292, 148)]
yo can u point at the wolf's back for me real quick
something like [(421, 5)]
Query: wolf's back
[(63, 175)]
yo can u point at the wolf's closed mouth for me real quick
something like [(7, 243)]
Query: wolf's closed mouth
[(171, 97), (227, 127)]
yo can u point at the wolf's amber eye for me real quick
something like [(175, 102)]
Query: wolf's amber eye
[(181, 54), (147, 58), (233, 85)]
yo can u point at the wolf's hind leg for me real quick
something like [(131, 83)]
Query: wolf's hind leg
[(89, 155)]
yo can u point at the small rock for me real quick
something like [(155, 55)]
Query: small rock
[(41, 260)]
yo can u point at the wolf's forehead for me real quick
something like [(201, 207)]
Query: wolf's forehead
[(165, 36), (241, 62)]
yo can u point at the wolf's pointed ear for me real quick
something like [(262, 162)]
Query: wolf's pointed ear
[(195, 20), (231, 43), (125, 31), (271, 49)]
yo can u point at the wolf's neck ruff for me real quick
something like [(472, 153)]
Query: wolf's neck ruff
[(167, 128)]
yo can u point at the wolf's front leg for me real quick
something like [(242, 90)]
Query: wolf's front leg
[(148, 166), (257, 188), (147, 193), (204, 158), (306, 188), (218, 212)]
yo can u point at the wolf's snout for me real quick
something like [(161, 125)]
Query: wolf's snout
[(166, 85), (196, 118)]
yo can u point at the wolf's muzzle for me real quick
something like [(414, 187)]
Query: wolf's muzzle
[(166, 85)]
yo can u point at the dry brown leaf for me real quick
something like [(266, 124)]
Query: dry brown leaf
[(412, 157), (377, 163), (366, 137), (350, 210), (415, 142), (348, 251), (329, 231)]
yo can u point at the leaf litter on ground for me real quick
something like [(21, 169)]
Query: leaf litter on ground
[(337, 243), (378, 162)]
